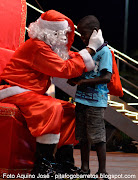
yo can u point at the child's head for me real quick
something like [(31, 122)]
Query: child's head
[(86, 26)]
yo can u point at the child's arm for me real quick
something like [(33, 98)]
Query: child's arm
[(103, 79), (74, 81)]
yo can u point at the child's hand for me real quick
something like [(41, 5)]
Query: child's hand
[(71, 82), (74, 81), (96, 40), (80, 82)]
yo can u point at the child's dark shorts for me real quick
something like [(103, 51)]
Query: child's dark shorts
[(90, 124)]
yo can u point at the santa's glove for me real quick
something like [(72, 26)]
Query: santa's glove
[(96, 40)]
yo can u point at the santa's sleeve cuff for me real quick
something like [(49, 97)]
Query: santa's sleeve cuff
[(87, 58)]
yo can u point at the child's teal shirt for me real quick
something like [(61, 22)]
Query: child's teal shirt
[(96, 96)]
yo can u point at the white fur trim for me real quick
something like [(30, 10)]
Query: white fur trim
[(48, 138), (53, 25), (11, 91), (87, 58)]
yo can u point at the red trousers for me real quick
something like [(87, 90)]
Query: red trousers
[(46, 115)]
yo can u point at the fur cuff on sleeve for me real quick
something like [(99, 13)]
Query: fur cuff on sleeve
[(88, 61), (48, 138)]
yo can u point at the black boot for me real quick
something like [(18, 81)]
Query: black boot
[(44, 166), (64, 157)]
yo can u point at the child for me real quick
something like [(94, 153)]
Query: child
[(91, 99)]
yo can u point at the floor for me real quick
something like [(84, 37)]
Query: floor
[(119, 165)]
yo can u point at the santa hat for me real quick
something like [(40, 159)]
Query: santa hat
[(56, 21)]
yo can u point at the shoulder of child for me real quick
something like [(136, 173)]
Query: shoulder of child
[(105, 49)]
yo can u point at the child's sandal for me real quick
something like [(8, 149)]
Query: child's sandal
[(84, 172)]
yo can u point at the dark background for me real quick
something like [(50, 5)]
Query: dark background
[(111, 14)]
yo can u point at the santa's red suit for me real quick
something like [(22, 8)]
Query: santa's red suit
[(28, 77), (30, 69)]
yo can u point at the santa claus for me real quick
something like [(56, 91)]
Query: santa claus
[(28, 76)]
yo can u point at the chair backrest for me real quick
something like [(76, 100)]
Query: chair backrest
[(12, 28)]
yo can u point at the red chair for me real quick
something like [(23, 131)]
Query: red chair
[(17, 144)]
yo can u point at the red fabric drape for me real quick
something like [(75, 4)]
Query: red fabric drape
[(16, 151), (12, 23), (12, 28)]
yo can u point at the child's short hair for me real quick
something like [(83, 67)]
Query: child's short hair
[(89, 22)]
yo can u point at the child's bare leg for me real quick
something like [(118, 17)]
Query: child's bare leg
[(101, 154), (85, 152)]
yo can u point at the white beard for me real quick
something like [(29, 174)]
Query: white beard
[(61, 51), (58, 43), (58, 47)]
